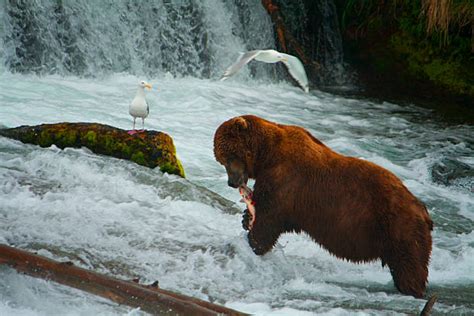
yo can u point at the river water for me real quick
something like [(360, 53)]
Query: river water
[(126, 220)]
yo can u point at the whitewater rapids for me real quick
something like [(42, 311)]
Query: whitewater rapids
[(126, 220)]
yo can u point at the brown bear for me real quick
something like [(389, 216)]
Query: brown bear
[(355, 209)]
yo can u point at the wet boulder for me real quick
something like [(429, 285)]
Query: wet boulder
[(148, 148)]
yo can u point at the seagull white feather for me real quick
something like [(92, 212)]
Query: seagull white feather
[(139, 107), (293, 64)]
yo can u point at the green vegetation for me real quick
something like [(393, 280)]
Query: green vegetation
[(427, 40), (139, 158)]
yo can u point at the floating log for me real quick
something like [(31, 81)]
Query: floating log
[(148, 298), (148, 148)]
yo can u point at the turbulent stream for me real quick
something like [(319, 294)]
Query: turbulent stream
[(120, 218), (126, 220)]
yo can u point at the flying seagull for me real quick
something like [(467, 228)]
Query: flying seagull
[(139, 107), (292, 63)]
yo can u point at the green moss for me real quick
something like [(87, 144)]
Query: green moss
[(126, 150), (30, 137), (448, 74), (110, 145), (65, 138), (403, 48), (91, 138), (45, 139), (170, 168), (423, 62), (139, 158), (180, 168), (71, 137)]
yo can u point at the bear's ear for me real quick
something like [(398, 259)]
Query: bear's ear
[(241, 123)]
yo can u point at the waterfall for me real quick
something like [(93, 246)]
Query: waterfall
[(198, 38), (87, 38)]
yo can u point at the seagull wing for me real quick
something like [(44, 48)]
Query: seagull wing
[(243, 59), (296, 69)]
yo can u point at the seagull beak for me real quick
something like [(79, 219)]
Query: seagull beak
[(149, 86)]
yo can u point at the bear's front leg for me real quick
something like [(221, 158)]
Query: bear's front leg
[(264, 232), (263, 235), (268, 202)]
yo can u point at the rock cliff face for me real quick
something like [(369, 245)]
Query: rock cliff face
[(149, 148), (422, 48), (401, 50)]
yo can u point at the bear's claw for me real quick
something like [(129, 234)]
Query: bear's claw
[(247, 220)]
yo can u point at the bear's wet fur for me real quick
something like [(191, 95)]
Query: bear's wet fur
[(355, 209)]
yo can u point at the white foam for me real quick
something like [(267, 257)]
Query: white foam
[(119, 218)]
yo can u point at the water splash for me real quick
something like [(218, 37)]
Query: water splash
[(120, 218)]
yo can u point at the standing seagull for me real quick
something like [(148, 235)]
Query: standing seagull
[(139, 107), (292, 63)]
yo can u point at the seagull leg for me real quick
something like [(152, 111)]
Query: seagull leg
[(143, 124), (133, 131)]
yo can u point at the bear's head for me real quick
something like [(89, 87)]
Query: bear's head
[(233, 149)]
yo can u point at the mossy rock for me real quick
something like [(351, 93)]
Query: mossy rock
[(149, 148)]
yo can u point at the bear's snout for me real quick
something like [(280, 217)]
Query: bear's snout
[(236, 179), (236, 173), (232, 184)]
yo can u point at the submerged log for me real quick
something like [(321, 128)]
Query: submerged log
[(429, 305), (149, 148), (149, 299)]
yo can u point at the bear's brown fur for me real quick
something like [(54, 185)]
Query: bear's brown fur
[(355, 209)]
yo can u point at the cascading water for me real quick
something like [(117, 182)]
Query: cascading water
[(189, 37)]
